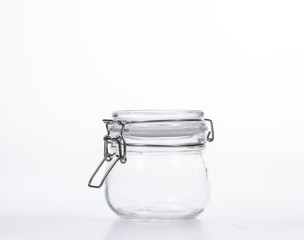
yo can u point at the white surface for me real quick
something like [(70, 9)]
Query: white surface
[(65, 65), (47, 227)]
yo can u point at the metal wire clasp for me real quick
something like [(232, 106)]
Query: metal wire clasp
[(120, 156), (122, 145)]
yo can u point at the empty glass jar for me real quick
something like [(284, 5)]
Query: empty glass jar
[(162, 175)]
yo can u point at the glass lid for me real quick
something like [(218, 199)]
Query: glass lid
[(161, 127)]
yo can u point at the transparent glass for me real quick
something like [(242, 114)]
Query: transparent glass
[(164, 181)]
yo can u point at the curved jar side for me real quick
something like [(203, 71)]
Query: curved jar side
[(158, 185)]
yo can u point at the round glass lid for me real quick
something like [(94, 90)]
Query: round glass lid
[(168, 127)]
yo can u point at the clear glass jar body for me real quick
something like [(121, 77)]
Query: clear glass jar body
[(159, 184), (164, 177)]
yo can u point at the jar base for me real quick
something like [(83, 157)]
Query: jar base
[(156, 214)]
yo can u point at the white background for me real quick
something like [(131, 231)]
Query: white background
[(65, 65)]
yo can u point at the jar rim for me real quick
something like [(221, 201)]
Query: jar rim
[(157, 114)]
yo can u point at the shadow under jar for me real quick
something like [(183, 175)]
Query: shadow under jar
[(162, 175)]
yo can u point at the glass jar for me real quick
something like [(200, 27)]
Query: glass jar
[(162, 175)]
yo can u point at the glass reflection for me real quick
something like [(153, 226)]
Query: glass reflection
[(128, 230)]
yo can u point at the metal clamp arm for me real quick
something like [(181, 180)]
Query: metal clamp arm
[(108, 157)]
